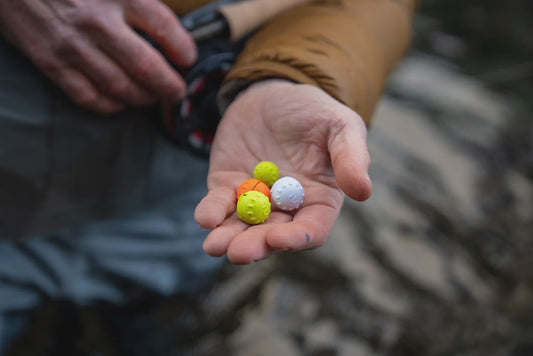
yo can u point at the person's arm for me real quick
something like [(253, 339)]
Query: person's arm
[(90, 48), (345, 47), (307, 84)]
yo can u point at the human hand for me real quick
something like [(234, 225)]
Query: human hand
[(90, 50), (309, 136)]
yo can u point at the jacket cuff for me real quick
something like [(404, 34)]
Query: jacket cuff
[(246, 75)]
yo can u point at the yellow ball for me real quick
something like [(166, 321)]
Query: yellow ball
[(267, 172), (253, 207)]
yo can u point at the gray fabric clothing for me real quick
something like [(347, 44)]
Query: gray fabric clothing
[(91, 208)]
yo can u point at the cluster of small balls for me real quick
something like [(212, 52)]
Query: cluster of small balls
[(254, 195)]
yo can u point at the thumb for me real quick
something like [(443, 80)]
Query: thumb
[(349, 156)]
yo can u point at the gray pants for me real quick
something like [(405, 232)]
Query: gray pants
[(91, 208)]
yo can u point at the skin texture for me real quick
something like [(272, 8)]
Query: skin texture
[(91, 50), (311, 137)]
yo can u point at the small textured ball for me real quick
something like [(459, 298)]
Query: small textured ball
[(253, 207), (267, 172), (253, 184), (287, 193)]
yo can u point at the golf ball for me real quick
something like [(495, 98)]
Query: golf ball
[(287, 193), (253, 184), (253, 207), (267, 172)]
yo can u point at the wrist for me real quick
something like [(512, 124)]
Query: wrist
[(232, 89)]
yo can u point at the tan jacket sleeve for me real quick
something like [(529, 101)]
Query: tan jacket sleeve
[(181, 7), (346, 47)]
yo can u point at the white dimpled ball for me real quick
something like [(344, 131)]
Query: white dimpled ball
[(287, 193)]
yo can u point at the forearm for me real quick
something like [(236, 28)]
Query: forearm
[(345, 47)]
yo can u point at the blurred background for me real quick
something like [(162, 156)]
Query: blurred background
[(437, 262), (491, 40)]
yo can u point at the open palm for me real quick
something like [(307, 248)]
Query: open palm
[(309, 136)]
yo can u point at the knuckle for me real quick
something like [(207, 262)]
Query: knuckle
[(96, 24), (145, 67), (64, 42), (46, 62), (149, 71), (86, 15), (95, 102), (118, 88), (85, 98)]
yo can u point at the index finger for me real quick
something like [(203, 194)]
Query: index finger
[(161, 24), (143, 63)]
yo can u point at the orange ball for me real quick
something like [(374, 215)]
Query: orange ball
[(253, 184)]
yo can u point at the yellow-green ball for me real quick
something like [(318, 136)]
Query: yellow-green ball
[(267, 172), (253, 207)]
